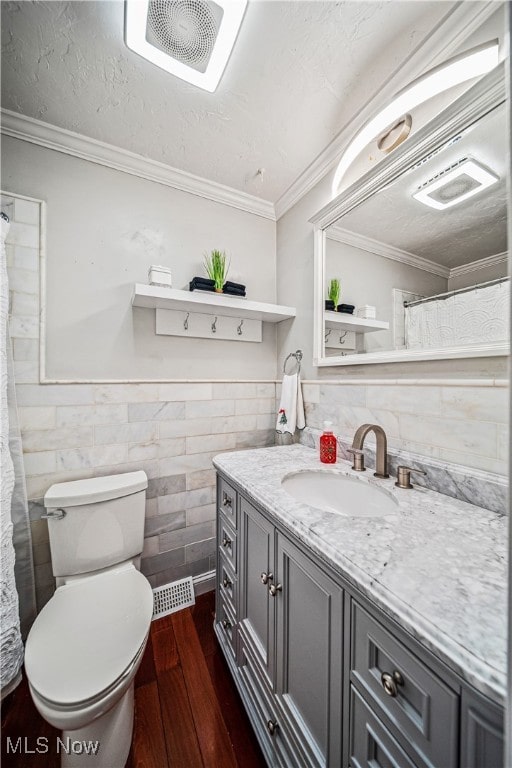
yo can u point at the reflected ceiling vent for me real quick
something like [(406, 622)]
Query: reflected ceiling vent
[(191, 39), (454, 184)]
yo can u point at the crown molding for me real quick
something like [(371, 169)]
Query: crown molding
[(474, 266), (43, 134), (442, 42), (387, 251)]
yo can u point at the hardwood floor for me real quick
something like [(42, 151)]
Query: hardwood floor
[(187, 710)]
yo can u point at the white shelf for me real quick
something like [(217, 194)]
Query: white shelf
[(351, 323), (154, 297)]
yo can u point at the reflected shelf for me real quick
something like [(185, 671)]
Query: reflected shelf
[(354, 324)]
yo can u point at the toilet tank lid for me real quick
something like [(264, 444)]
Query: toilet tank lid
[(91, 490)]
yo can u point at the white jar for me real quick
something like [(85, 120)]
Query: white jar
[(367, 312), (160, 276)]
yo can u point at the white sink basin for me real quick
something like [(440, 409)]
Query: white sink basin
[(339, 494)]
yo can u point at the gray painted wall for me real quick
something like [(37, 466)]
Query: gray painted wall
[(104, 229)]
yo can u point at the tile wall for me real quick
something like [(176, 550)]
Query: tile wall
[(171, 431)]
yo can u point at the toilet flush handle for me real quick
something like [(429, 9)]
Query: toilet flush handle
[(54, 514)]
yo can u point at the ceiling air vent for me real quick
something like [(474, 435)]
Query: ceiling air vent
[(191, 39)]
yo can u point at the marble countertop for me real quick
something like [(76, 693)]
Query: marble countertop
[(437, 565)]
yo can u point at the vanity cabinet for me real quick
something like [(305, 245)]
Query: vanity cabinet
[(327, 679)]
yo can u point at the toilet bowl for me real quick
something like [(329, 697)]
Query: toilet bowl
[(86, 645)]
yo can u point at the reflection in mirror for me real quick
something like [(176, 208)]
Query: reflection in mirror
[(423, 261)]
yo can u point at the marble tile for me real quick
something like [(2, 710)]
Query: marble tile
[(202, 514), (26, 371), (342, 395), (178, 464), (168, 575), (75, 415), (26, 211), (171, 447), (199, 550), (188, 391), (453, 434), (241, 390), (37, 417), (26, 349), (155, 411), (171, 502), (86, 458), (132, 432), (26, 258), (200, 479), (186, 536), (40, 463), (54, 394), (255, 405), (161, 486), (475, 404), (23, 234), (24, 281), (124, 393), (55, 439), (224, 442), (405, 399), (206, 409), (142, 451), (151, 565), (24, 327), (25, 304)]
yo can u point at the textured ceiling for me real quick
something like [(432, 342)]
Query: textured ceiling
[(473, 230), (298, 72)]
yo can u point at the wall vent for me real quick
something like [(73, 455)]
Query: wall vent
[(173, 597)]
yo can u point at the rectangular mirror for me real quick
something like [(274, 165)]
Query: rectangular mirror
[(425, 271)]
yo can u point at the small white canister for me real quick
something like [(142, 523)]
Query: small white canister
[(160, 276), (367, 312)]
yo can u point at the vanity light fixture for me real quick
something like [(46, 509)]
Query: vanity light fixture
[(478, 61), (455, 184), (191, 39)]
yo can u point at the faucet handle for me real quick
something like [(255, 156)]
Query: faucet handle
[(358, 455), (403, 476)]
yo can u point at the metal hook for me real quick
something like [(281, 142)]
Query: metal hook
[(342, 337), (214, 325), (239, 329), (327, 334), (185, 324)]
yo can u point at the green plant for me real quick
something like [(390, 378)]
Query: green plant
[(334, 291), (217, 267)]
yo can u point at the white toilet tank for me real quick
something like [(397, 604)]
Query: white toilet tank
[(102, 524)]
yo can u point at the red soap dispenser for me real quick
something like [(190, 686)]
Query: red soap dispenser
[(328, 445)]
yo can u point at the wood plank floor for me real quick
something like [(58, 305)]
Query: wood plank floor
[(187, 710)]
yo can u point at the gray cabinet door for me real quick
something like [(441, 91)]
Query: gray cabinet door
[(482, 732), (309, 623), (256, 609)]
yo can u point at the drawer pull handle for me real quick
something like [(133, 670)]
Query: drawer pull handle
[(226, 624), (227, 501), (226, 542), (275, 588), (226, 582), (390, 682), (272, 726), (266, 577)]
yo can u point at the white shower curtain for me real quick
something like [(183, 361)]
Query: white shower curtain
[(13, 499)]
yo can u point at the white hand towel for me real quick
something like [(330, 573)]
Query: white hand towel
[(291, 408)]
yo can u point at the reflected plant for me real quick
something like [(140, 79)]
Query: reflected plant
[(217, 267), (334, 291)]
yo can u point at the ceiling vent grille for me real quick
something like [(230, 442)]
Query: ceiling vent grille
[(191, 39), (184, 29)]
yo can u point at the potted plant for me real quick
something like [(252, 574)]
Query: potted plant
[(217, 268), (333, 294)]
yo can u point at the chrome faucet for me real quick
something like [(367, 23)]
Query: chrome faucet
[(381, 456)]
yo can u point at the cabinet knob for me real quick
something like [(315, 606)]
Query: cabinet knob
[(390, 682), (226, 582), (266, 577), (226, 542), (275, 588), (272, 726), (227, 501), (226, 624)]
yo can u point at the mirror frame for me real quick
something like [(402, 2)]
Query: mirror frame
[(486, 95)]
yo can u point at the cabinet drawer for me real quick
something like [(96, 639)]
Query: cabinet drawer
[(227, 502), (227, 542), (415, 700), (370, 743), (227, 622), (228, 586)]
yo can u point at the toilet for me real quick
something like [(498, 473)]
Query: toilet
[(87, 643)]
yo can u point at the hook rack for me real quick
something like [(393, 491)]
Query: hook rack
[(214, 325), (239, 328), (185, 323)]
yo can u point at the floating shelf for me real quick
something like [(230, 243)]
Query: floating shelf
[(154, 297), (208, 315), (351, 323)]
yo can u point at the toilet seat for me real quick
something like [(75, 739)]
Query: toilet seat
[(88, 638)]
